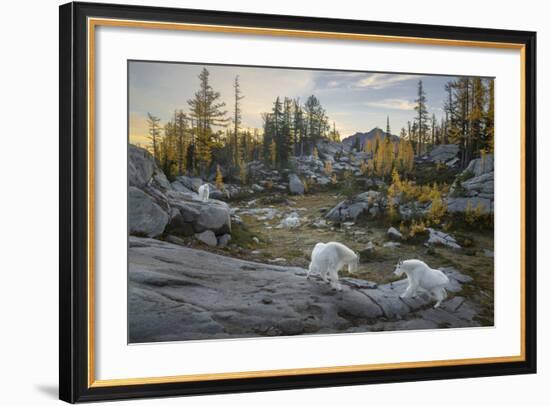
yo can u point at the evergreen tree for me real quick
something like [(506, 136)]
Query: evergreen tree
[(316, 122), (207, 111), (180, 123), (267, 137), (434, 130), (237, 119), (421, 117), (334, 135), (477, 116), (154, 134), (489, 142), (299, 129), (285, 144), (277, 133), (273, 152)]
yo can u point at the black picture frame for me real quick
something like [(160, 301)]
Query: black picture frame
[(73, 284)]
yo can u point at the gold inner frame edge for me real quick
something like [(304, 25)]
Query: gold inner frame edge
[(94, 22)]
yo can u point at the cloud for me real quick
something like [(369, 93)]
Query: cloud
[(383, 80), (392, 104)]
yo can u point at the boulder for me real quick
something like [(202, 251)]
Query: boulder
[(369, 196), (322, 180), (146, 217), (440, 238), (257, 188), (224, 240), (356, 209), (292, 221), (191, 183), (369, 247), (213, 215), (483, 183), (477, 188), (207, 237), (178, 225), (347, 210), (479, 166), (461, 204), (374, 211), (143, 170), (328, 149), (141, 166), (444, 153), (180, 187), (394, 234), (295, 185)]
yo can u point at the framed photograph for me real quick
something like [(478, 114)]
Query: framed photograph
[(257, 202)]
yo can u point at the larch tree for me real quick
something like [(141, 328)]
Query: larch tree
[(219, 178), (368, 148), (389, 155)]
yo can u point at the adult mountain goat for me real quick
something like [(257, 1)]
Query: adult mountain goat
[(422, 278), (327, 260), (204, 192)]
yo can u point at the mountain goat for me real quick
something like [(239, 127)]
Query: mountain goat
[(327, 260), (204, 192), (422, 278)]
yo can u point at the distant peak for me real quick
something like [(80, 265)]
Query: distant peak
[(368, 136)]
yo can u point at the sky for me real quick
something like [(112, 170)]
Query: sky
[(355, 101)]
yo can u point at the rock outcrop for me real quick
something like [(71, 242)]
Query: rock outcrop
[(445, 153), (366, 203), (440, 238), (474, 188), (145, 216), (156, 206), (179, 293), (143, 171)]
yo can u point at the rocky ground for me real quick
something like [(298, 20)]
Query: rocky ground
[(233, 266), (180, 293)]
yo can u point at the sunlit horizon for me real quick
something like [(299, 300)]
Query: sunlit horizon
[(353, 101)]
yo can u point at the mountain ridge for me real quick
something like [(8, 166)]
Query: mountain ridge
[(351, 140)]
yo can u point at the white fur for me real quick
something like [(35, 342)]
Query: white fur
[(327, 260), (204, 192), (422, 278)]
